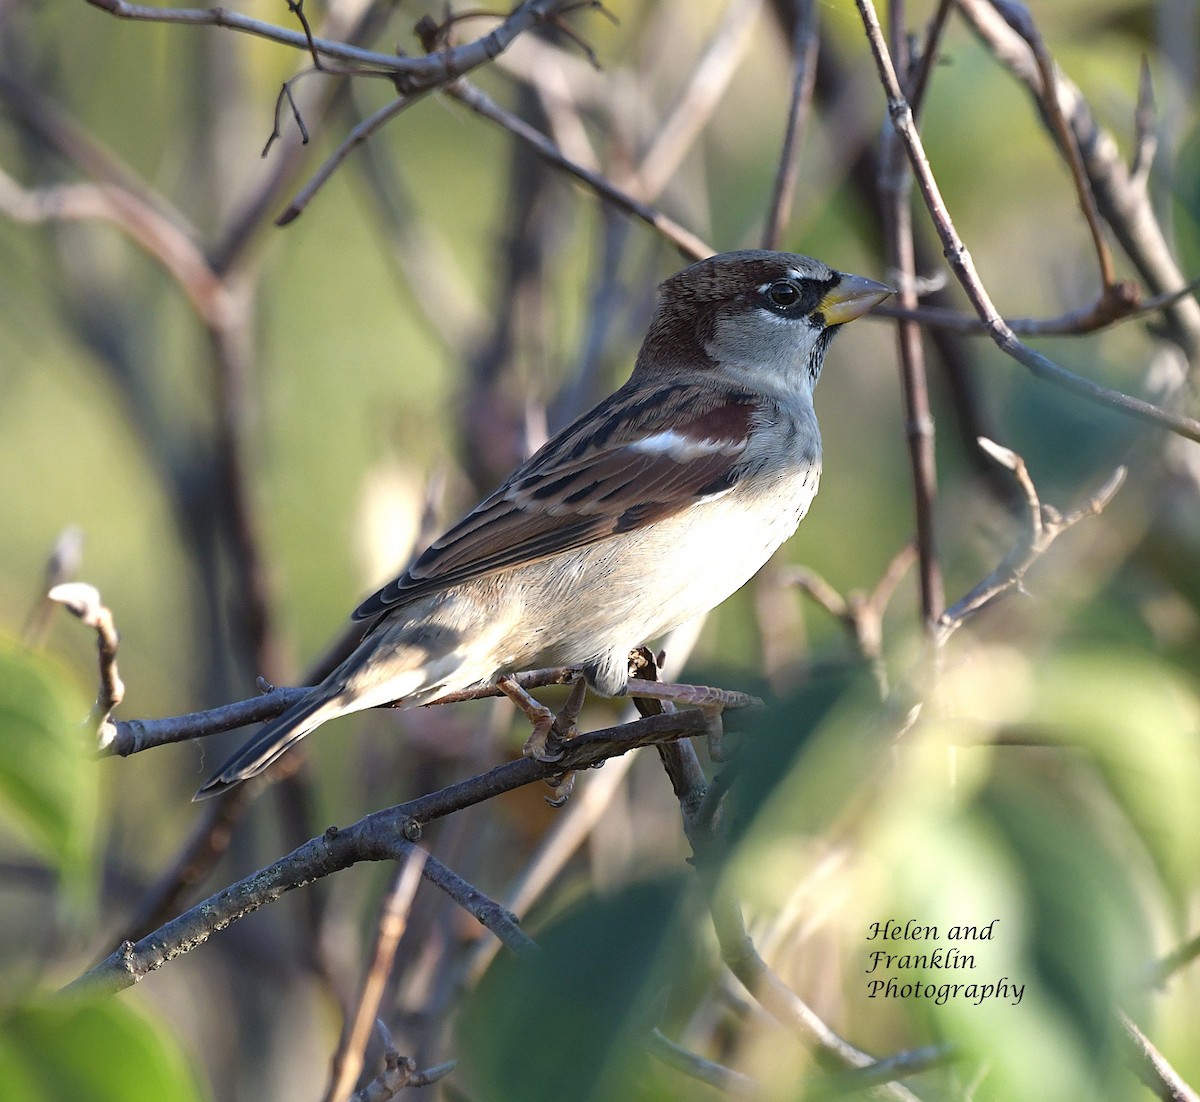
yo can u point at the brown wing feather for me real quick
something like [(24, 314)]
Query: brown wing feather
[(590, 482)]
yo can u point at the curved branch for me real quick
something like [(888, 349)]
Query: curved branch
[(412, 74), (1122, 199), (380, 836), (964, 267)]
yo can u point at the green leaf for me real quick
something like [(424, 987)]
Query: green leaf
[(48, 783), (568, 1021), (105, 1051), (1136, 720)]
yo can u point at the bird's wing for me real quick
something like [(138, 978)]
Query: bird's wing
[(640, 456)]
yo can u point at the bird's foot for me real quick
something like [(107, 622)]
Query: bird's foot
[(710, 701), (550, 731)]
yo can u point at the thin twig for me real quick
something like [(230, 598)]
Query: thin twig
[(1145, 133), (724, 1079), (1019, 17), (83, 601), (964, 267), (684, 240), (895, 187), (918, 80), (398, 1072), (361, 133), (861, 614), (159, 235), (710, 76), (132, 736), (805, 44), (412, 74), (1153, 1068), (1044, 525), (1175, 960), (1126, 206), (285, 93), (1100, 315), (897, 1066), (389, 928), (738, 951), (780, 1001)]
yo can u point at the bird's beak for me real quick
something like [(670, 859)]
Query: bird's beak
[(851, 298)]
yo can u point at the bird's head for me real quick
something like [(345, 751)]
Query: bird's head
[(754, 311)]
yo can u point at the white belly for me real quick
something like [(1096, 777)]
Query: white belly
[(659, 577)]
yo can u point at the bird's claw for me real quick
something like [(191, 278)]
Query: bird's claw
[(544, 744), (563, 785)]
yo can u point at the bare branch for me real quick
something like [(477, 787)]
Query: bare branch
[(1152, 1067), (922, 69), (380, 836), (684, 240), (805, 44), (737, 949), (964, 267), (709, 79), (412, 74), (887, 1070), (158, 234), (1126, 207), (1019, 17), (132, 736), (895, 192), (780, 1001), (495, 917), (1044, 526), (398, 1072), (861, 614), (389, 928), (361, 133), (724, 1079), (1103, 313)]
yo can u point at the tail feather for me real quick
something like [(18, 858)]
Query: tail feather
[(347, 689), (272, 742)]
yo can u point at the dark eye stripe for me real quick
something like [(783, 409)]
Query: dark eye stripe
[(808, 295)]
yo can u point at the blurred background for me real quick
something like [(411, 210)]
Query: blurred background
[(235, 431)]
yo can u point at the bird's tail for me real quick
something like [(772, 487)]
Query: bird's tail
[(270, 743)]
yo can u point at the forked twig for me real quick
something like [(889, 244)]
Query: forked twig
[(1044, 525), (964, 267)]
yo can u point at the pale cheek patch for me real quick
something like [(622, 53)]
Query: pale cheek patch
[(680, 447)]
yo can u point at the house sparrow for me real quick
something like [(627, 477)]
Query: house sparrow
[(650, 509)]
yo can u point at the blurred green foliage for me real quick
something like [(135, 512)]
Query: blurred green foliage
[(93, 1052), (570, 1020), (48, 783), (1049, 782)]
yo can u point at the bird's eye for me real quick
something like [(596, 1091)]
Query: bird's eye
[(783, 293)]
